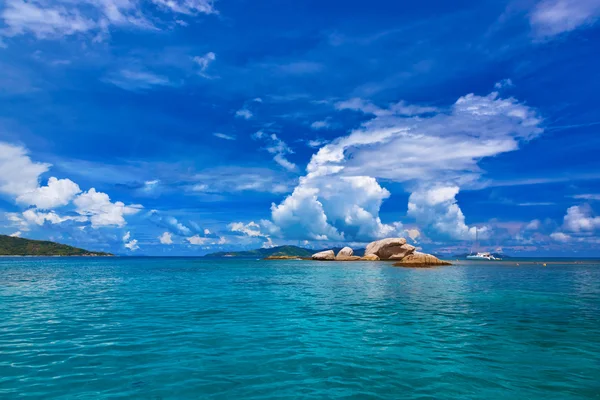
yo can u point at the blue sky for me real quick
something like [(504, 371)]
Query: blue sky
[(181, 127)]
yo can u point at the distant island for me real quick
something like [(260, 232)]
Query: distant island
[(15, 246), (287, 251), (292, 251)]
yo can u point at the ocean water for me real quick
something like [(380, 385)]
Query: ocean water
[(185, 328)]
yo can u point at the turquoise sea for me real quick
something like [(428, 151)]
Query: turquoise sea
[(192, 328)]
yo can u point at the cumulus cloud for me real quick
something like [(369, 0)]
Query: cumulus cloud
[(55, 19), (39, 218), (58, 192), (433, 152), (132, 245), (18, 174), (16, 234), (561, 237), (254, 230), (251, 229), (166, 238), (101, 211), (437, 210), (581, 219), (278, 148), (553, 17), (198, 240), (343, 208)]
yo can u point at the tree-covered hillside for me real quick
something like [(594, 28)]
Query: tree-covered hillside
[(15, 246)]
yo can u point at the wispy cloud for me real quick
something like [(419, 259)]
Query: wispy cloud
[(204, 62), (553, 17), (323, 124), (278, 148), (224, 136), (56, 19), (138, 80), (244, 113), (504, 83), (587, 196)]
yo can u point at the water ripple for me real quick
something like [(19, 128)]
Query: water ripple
[(189, 328)]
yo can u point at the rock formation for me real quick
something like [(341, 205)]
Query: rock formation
[(345, 252), (326, 255), (350, 258), (418, 259), (390, 249), (393, 249)]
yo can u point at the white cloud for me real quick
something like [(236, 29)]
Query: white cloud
[(133, 80), (17, 220), (504, 83), (587, 196), (16, 234), (433, 152), (533, 225), (343, 208), (32, 216), (55, 19), (207, 232), (244, 113), (278, 148), (561, 237), (232, 179), (197, 240), (204, 62), (317, 143), (18, 174), (189, 7), (553, 17), (43, 20), (320, 125), (581, 219), (224, 136), (251, 229), (166, 238), (399, 109), (58, 192), (132, 245), (170, 223), (436, 209), (101, 211)]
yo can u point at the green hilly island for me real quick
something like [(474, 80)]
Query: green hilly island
[(15, 246)]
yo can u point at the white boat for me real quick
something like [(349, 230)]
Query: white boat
[(482, 256)]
